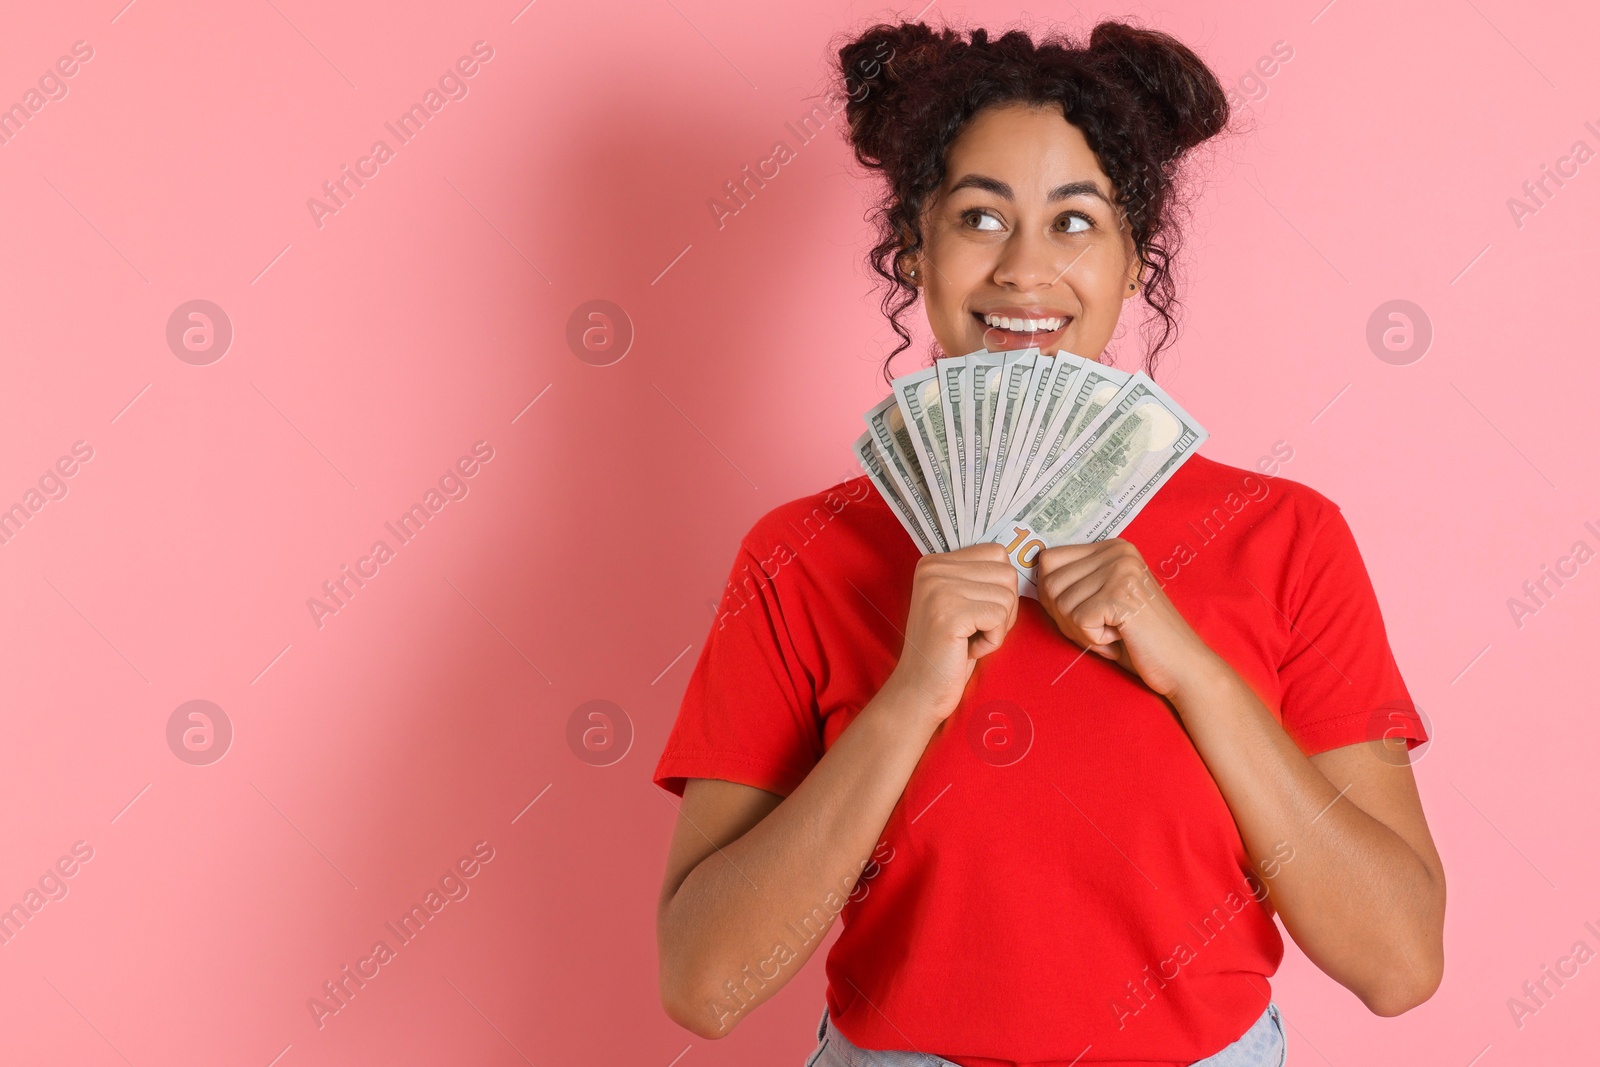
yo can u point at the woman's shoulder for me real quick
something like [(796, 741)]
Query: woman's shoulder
[(1222, 526), (1204, 485), (853, 500), (835, 498), (845, 520)]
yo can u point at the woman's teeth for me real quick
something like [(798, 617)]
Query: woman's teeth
[(1001, 322)]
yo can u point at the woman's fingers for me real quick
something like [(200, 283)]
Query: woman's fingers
[(1092, 590), (1058, 567), (963, 603)]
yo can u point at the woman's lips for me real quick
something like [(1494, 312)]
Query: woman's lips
[(998, 339)]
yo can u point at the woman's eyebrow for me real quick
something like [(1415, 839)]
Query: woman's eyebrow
[(1002, 190)]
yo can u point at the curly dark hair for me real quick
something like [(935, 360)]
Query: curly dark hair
[(1141, 98)]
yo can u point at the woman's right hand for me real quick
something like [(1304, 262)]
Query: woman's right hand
[(963, 603)]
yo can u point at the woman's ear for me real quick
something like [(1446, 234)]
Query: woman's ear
[(1130, 247), (908, 263), (911, 268)]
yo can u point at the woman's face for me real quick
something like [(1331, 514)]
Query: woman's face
[(1024, 227)]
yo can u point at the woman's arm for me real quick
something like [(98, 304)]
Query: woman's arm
[(753, 881), (1363, 895)]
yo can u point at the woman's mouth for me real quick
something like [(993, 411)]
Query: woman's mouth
[(1018, 331)]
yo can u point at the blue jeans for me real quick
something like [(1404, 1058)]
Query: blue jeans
[(1263, 1045)]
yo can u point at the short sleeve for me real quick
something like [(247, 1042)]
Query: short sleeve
[(748, 714), (1339, 681)]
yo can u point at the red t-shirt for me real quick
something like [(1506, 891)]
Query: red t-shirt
[(1061, 879)]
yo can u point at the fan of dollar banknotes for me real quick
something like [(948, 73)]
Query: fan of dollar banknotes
[(1022, 449)]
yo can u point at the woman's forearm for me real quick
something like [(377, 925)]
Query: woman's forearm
[(748, 916), (1357, 898)]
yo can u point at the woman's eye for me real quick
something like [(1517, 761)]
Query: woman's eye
[(986, 222)]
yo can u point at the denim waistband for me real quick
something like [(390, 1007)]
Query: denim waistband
[(1264, 1044)]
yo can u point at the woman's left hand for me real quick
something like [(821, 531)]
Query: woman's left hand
[(1102, 596)]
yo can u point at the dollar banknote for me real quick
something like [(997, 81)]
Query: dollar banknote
[(1022, 449), (871, 461), (982, 382), (1010, 396), (952, 375), (1092, 390), (922, 409), (1051, 386), (893, 438), (1092, 491)]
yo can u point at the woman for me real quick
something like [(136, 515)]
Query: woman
[(1044, 857)]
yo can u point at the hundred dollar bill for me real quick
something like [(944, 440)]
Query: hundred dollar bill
[(1046, 393), (1094, 490), (922, 408), (871, 461), (1032, 400), (893, 438), (1009, 400), (1091, 391), (953, 393), (984, 372)]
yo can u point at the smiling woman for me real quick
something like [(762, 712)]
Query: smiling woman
[(1135, 102), (1091, 901)]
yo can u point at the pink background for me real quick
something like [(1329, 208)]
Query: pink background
[(369, 354)]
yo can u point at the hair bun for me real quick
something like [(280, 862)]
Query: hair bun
[(874, 67), (1187, 102)]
